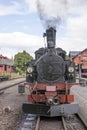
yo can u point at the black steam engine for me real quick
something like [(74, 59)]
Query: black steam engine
[(49, 78)]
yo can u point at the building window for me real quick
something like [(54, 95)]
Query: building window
[(5, 67)]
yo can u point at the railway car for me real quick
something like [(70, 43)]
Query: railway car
[(49, 78)]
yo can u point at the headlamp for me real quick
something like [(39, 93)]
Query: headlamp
[(30, 69), (71, 69)]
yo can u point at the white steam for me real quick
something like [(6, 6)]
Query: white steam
[(51, 12)]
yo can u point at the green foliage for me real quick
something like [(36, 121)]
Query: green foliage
[(20, 59), (67, 57)]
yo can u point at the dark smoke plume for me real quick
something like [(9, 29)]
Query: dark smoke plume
[(51, 12)]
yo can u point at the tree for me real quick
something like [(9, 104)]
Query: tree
[(20, 59), (67, 57)]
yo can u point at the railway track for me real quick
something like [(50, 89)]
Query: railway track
[(70, 123), (11, 85), (74, 123), (6, 78), (58, 123)]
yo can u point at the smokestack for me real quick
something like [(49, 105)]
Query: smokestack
[(51, 37)]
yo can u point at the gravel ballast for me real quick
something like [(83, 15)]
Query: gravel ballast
[(11, 108)]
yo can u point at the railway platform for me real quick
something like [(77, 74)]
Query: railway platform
[(80, 95)]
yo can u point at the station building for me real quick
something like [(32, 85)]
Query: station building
[(81, 58), (6, 64), (73, 53)]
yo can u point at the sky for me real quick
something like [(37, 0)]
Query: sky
[(21, 28)]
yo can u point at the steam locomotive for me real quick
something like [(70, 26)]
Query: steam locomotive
[(49, 78)]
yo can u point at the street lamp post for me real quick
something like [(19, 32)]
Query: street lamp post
[(79, 67)]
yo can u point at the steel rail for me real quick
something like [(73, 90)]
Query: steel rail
[(37, 123), (64, 124), (9, 79)]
